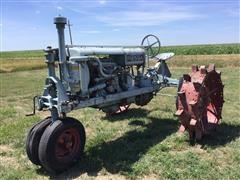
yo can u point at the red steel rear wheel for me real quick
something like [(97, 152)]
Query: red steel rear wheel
[(200, 101)]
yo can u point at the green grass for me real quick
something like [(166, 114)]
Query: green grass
[(141, 143)]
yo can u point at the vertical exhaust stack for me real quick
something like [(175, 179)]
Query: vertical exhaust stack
[(60, 25)]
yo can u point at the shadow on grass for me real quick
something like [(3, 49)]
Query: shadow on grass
[(225, 133), (120, 154), (130, 113), (133, 113)]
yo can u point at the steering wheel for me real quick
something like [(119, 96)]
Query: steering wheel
[(152, 45)]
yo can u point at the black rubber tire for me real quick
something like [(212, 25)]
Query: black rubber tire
[(33, 139), (48, 142), (27, 139)]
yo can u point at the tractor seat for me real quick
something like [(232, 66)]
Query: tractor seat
[(164, 56)]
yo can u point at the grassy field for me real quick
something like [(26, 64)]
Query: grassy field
[(29, 60), (142, 143), (22, 54)]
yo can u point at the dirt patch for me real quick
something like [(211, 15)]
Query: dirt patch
[(9, 162), (107, 176), (5, 149), (150, 177), (5, 159)]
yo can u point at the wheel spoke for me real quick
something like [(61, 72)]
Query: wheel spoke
[(153, 44), (152, 54)]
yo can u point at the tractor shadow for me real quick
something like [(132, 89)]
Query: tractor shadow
[(224, 134), (120, 154), (131, 113)]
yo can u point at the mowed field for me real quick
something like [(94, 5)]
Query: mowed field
[(143, 143)]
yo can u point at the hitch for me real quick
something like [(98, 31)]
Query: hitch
[(34, 107)]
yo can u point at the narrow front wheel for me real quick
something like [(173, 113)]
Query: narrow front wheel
[(33, 139), (62, 144)]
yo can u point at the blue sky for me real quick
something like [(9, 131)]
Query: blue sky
[(29, 24)]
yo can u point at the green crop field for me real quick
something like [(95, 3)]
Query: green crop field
[(143, 143), (209, 49)]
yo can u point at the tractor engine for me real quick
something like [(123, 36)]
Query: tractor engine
[(108, 72), (100, 71)]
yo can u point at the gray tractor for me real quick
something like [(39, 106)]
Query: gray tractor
[(109, 78)]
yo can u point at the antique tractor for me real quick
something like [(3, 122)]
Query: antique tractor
[(110, 78)]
